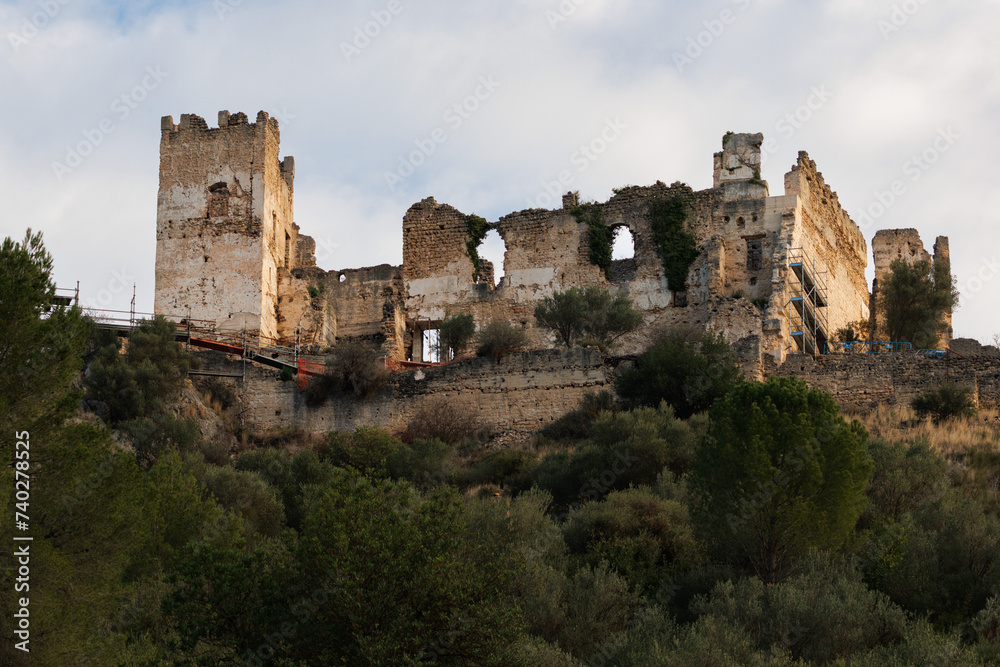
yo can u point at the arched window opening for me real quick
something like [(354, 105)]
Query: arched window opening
[(623, 255), (493, 250), (624, 244)]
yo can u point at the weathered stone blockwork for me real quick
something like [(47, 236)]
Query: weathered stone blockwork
[(224, 227), (868, 380), (229, 251), (523, 392)]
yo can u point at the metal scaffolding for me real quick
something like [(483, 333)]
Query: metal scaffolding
[(807, 315)]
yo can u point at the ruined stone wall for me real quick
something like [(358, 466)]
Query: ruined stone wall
[(832, 240), (223, 213), (523, 392), (868, 380)]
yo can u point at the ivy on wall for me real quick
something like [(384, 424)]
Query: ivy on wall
[(599, 236), (676, 246), (477, 228)]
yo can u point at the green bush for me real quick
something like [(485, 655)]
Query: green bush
[(624, 449), (945, 402), (152, 437), (500, 466), (642, 536), (289, 476), (367, 449), (592, 312), (946, 564), (352, 368), (452, 420), (247, 494), (144, 380), (822, 614), (424, 462), (457, 330), (688, 376), (575, 425), (407, 586), (498, 339)]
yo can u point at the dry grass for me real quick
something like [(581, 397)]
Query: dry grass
[(952, 438)]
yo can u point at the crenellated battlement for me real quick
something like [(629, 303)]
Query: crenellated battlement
[(194, 123)]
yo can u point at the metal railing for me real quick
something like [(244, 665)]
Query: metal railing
[(865, 347)]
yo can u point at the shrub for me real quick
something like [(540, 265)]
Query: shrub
[(689, 377), (452, 420), (221, 393), (627, 449), (946, 564), (575, 425), (145, 379), (367, 449), (500, 338), (823, 614), (945, 402), (456, 331), (248, 494), (286, 375), (500, 466), (152, 437), (288, 476), (643, 537), (424, 462), (353, 368), (592, 312)]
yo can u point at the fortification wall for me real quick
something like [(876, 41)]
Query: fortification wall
[(523, 392), (868, 380), (834, 242)]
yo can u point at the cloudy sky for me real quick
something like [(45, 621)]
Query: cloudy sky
[(484, 105)]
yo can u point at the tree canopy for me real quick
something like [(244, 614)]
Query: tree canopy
[(688, 374), (592, 314), (913, 300), (778, 473)]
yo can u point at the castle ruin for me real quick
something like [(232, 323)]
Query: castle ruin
[(776, 275)]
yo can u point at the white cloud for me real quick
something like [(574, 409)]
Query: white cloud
[(353, 119)]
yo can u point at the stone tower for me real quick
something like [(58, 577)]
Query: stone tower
[(224, 223)]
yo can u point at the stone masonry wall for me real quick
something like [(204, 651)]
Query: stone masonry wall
[(523, 392), (224, 221), (868, 380)]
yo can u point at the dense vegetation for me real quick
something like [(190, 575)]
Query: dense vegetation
[(912, 302), (765, 528), (591, 315)]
